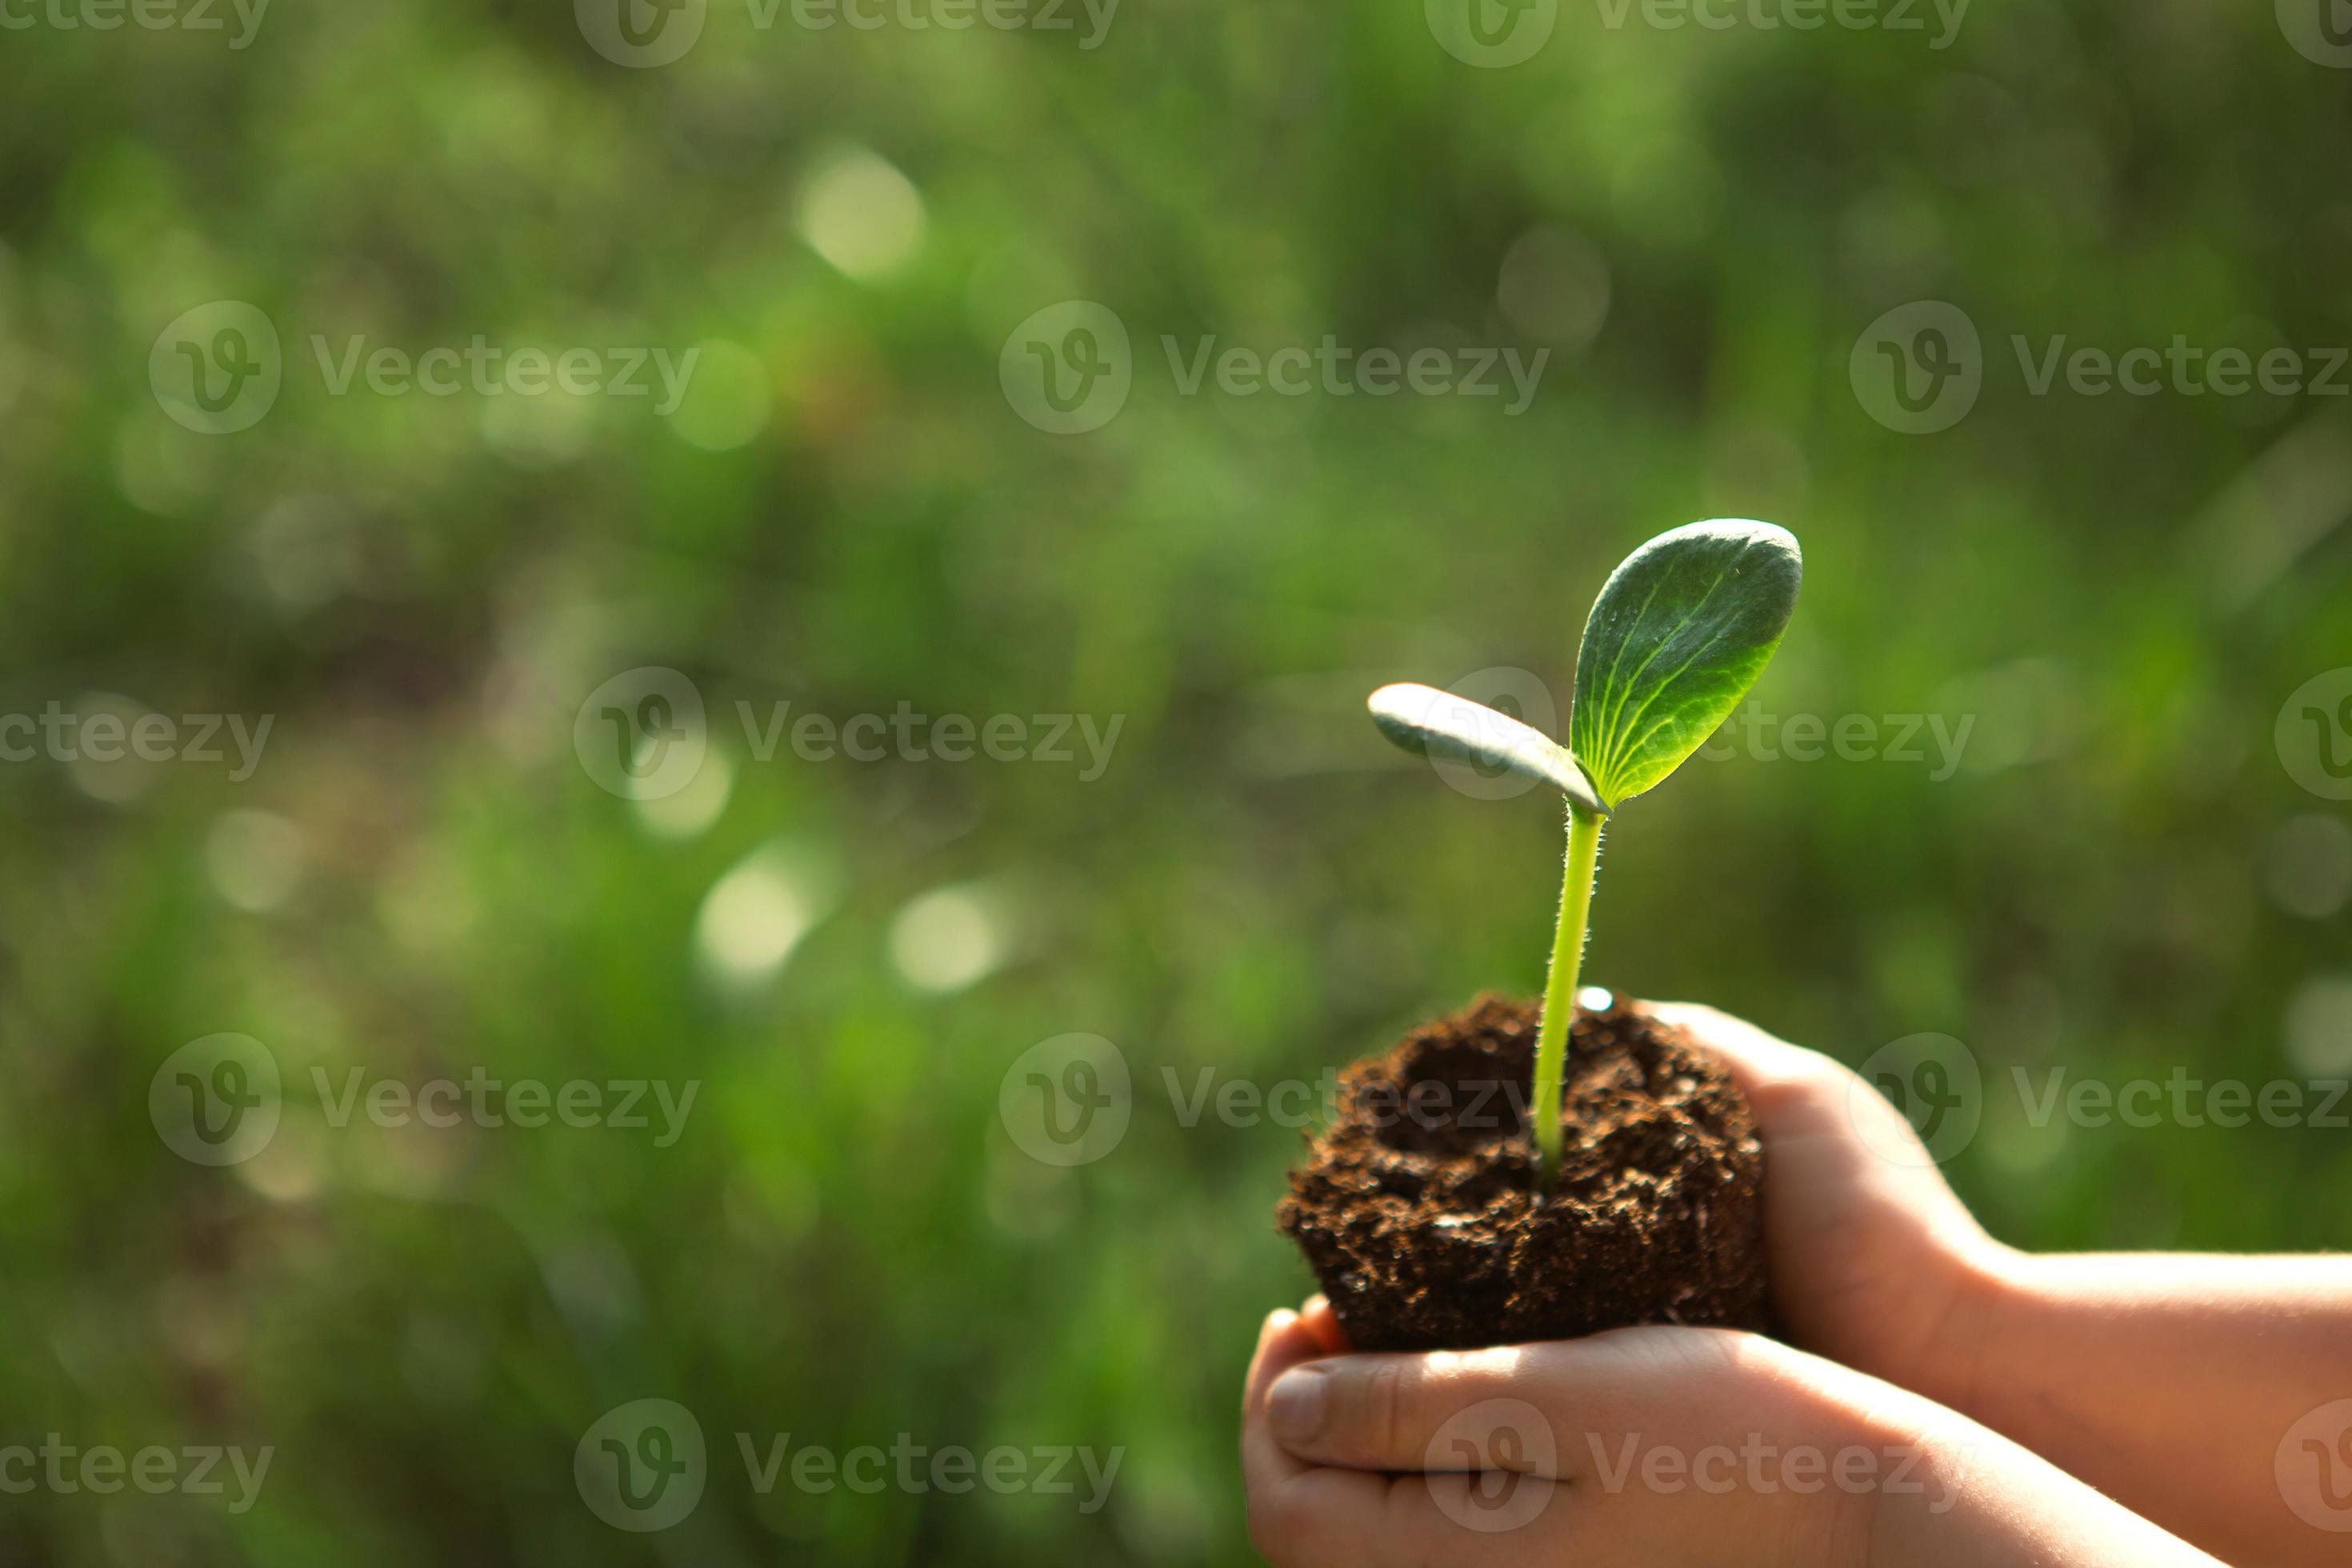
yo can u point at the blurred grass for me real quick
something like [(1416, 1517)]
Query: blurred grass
[(845, 1244)]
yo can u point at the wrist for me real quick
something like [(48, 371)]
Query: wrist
[(1969, 1353)]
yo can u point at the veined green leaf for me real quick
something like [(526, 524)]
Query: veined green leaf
[(1432, 723), (1679, 634)]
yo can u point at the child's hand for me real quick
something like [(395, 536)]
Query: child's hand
[(1364, 1460), (1651, 1446), (1876, 1264), (2207, 1393)]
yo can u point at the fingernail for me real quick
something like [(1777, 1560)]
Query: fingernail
[(1298, 1404)]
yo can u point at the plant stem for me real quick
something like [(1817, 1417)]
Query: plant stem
[(1559, 990)]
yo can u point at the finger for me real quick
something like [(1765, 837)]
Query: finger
[(1522, 1408), (1281, 1345), (1300, 1516), (1309, 1516), (1791, 1090), (1841, 1154), (1353, 1518), (1803, 1098), (1324, 1323)]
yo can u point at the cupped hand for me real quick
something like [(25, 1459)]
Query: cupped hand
[(1574, 1451), (1650, 1448), (1876, 1262)]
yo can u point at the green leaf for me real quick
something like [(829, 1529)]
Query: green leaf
[(1679, 634), (1432, 723)]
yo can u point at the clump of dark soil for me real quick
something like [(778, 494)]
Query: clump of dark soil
[(1419, 1208)]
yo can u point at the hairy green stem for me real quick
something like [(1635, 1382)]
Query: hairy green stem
[(1559, 990)]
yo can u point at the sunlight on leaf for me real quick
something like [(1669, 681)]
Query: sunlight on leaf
[(1432, 723), (1679, 634)]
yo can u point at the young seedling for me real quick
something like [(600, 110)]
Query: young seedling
[(1680, 631)]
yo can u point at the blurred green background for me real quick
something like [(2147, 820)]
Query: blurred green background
[(421, 878)]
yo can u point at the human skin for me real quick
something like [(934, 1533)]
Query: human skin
[(1653, 1447), (2022, 1388), (2170, 1382)]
